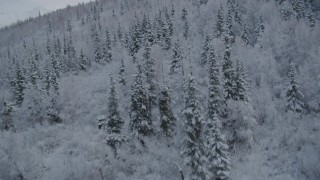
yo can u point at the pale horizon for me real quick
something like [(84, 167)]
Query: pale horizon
[(14, 10)]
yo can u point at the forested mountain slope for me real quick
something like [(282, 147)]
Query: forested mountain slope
[(141, 89)]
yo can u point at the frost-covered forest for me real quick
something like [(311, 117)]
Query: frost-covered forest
[(163, 90)]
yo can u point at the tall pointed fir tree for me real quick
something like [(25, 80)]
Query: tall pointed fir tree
[(215, 101), (97, 54), (176, 62), (7, 121), (115, 122), (147, 30), (293, 93), (193, 148), (83, 61), (122, 73), (184, 18), (106, 50), (228, 33), (167, 119), (150, 74), (259, 28), (219, 22), (205, 50), (141, 123), (19, 85), (47, 79), (245, 33), (216, 150), (240, 88), (54, 78), (228, 74)]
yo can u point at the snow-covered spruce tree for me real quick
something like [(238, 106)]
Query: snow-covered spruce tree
[(169, 22), (119, 34), (310, 14), (237, 15), (115, 122), (19, 85), (184, 18), (228, 34), (228, 74), (71, 55), (96, 44), (167, 119), (7, 121), (216, 150), (54, 78), (240, 88), (176, 62), (141, 123), (219, 22), (193, 148), (122, 73), (259, 28), (149, 72), (204, 52), (215, 100), (293, 93), (299, 8), (33, 65), (48, 47), (47, 79), (147, 30), (83, 62), (245, 33), (69, 26), (106, 50)]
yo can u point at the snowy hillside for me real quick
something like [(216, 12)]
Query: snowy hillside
[(163, 90)]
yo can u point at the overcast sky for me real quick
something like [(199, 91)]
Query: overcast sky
[(12, 10)]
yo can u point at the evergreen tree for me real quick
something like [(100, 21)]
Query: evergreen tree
[(259, 28), (47, 79), (115, 122), (71, 55), (83, 61), (299, 8), (19, 85), (245, 33), (240, 91), (48, 47), (96, 45), (7, 121), (228, 74), (54, 78), (185, 22), (107, 47), (122, 73), (228, 27), (141, 123), (217, 150), (215, 96), (193, 147), (169, 22), (119, 33), (310, 14), (147, 30), (69, 27), (293, 93), (176, 62), (167, 118), (205, 50), (219, 22), (149, 72)]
